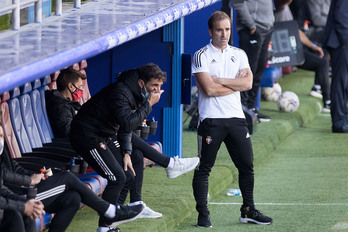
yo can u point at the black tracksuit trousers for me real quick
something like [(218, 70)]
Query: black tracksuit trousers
[(14, 221), (62, 194), (234, 133)]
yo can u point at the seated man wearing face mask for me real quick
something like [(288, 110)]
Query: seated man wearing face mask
[(62, 104)]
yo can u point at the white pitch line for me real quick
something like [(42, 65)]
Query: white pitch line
[(282, 204), (340, 226)]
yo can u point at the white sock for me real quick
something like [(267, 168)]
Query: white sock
[(110, 212), (171, 163), (317, 86), (103, 229), (135, 203)]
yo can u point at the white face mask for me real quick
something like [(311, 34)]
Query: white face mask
[(1, 146)]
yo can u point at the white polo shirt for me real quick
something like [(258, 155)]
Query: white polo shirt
[(224, 64)]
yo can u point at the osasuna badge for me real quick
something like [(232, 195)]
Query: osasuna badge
[(208, 140), (102, 146)]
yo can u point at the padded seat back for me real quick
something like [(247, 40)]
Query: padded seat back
[(39, 116), (29, 122), (18, 126), (44, 111)]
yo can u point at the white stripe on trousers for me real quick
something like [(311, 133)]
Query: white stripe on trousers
[(102, 164), (50, 193)]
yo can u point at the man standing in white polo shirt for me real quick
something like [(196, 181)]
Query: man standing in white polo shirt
[(221, 71)]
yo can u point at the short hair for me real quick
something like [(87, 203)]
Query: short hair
[(217, 16), (68, 75), (150, 70)]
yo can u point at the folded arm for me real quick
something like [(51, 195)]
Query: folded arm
[(209, 86), (243, 80)]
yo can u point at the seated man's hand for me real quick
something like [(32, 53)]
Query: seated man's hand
[(127, 162), (36, 178), (154, 97), (34, 209)]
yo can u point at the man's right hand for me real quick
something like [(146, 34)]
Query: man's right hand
[(34, 209), (35, 179), (154, 97)]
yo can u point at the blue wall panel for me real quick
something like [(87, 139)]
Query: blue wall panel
[(172, 117), (99, 71)]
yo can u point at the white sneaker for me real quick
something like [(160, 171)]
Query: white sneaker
[(149, 213), (181, 166)]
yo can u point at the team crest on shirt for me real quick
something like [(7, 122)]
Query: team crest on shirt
[(232, 58), (208, 140), (102, 146)]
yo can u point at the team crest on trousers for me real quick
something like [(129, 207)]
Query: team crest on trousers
[(208, 140), (102, 146)]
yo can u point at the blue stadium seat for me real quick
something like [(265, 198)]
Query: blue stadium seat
[(45, 81), (26, 88), (39, 116), (28, 121), (36, 84), (15, 92), (18, 126)]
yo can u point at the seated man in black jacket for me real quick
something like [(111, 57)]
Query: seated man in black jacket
[(16, 212), (62, 194), (62, 107), (62, 104)]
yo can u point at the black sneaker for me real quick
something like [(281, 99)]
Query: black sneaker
[(315, 92), (204, 220), (254, 216), (261, 117), (123, 214)]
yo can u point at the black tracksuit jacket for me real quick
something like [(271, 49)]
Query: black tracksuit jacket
[(60, 112), (117, 109)]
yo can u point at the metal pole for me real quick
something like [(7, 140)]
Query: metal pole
[(16, 15), (59, 7), (38, 11), (77, 3)]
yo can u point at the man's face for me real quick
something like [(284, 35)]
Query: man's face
[(78, 84), (220, 34), (153, 85)]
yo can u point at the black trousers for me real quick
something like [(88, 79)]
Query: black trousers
[(14, 221), (256, 48), (321, 68), (234, 133), (62, 194), (106, 158), (141, 149), (339, 86)]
